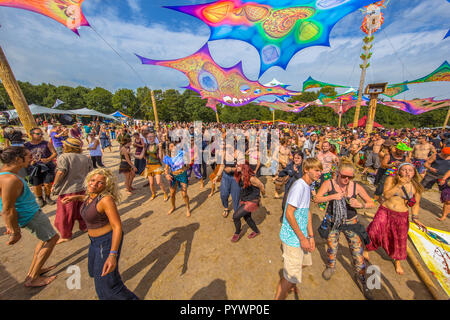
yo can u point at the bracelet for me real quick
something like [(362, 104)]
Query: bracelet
[(113, 252)]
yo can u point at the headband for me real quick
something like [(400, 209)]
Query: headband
[(404, 164)]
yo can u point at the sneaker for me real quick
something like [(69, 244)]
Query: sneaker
[(40, 202), (363, 287), (328, 273)]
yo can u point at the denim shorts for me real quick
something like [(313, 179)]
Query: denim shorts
[(41, 227)]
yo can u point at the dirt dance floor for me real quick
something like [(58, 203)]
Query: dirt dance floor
[(176, 257)]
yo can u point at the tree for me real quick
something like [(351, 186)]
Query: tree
[(99, 99), (125, 101)]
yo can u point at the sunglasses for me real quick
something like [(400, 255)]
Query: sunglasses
[(346, 177), (38, 133)]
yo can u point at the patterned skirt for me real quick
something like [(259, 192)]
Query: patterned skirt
[(389, 230)]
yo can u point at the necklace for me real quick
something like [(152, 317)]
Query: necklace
[(342, 190)]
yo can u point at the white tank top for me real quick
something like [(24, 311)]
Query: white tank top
[(97, 152)]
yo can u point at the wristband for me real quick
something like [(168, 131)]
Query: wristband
[(113, 252)]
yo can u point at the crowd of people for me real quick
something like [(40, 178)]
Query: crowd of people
[(316, 164)]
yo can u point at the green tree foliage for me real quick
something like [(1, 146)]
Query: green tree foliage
[(173, 105)]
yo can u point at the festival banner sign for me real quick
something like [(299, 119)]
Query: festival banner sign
[(434, 248)]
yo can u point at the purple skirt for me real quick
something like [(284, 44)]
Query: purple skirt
[(389, 230)]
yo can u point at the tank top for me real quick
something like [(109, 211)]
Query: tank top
[(250, 193), (153, 155), (26, 205), (351, 212), (90, 215), (97, 152)]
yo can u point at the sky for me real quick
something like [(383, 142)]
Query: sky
[(409, 45)]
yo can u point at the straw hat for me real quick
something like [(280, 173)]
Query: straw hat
[(72, 142)]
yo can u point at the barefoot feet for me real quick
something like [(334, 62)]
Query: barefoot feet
[(398, 267), (39, 281)]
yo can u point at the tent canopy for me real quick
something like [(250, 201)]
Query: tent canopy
[(89, 112), (362, 123), (119, 114), (35, 109)]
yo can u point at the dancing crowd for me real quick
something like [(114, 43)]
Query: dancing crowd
[(308, 164)]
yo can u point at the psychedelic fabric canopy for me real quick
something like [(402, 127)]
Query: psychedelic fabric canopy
[(277, 28), (418, 106), (394, 90), (225, 85), (442, 73), (295, 107), (311, 83), (67, 12)]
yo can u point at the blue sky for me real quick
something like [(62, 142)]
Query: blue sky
[(39, 49)]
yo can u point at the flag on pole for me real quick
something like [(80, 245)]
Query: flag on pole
[(57, 103)]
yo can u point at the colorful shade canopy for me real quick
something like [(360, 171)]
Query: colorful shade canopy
[(278, 29), (442, 73), (225, 85), (394, 90), (295, 107), (418, 106), (67, 12), (311, 83)]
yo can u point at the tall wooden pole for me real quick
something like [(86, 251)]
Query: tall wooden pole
[(273, 113), (446, 119), (16, 94), (364, 66), (217, 117), (340, 114), (155, 111), (371, 113)]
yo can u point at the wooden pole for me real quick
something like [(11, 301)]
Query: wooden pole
[(155, 111), (422, 273), (446, 119), (361, 80), (371, 113), (340, 114), (273, 113), (16, 94), (217, 117)]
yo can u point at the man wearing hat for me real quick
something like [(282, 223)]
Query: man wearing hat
[(438, 172), (71, 170)]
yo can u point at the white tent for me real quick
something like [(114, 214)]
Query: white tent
[(35, 109), (89, 112)]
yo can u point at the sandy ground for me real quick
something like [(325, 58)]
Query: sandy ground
[(175, 257)]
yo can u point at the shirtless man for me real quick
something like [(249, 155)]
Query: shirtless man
[(372, 157), (355, 147), (20, 210), (328, 159), (421, 153)]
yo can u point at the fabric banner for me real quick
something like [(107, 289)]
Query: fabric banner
[(434, 248)]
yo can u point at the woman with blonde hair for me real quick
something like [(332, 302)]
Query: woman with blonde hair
[(341, 217), (99, 211), (389, 228)]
